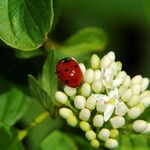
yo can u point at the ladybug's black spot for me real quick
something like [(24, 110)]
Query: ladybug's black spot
[(66, 81), (75, 66), (66, 70)]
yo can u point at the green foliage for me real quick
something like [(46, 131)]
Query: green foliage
[(9, 138), (83, 42), (25, 24), (57, 141), (13, 104)]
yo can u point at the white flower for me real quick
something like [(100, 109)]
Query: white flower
[(85, 89), (89, 76), (82, 67), (127, 95), (111, 143), (95, 62), (117, 121), (97, 75), (98, 120), (90, 135), (147, 130), (133, 101), (70, 91), (91, 103), (145, 83), (97, 86), (121, 109), (65, 112)]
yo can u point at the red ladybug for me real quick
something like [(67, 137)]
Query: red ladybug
[(69, 72)]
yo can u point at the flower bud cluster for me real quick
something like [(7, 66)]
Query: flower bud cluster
[(105, 98)]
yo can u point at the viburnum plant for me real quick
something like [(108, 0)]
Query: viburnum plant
[(102, 105), (107, 103)]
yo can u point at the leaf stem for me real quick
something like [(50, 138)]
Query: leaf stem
[(39, 119)]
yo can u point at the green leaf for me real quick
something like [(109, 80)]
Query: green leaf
[(13, 105), (84, 41), (49, 76), (40, 94), (28, 54), (24, 24), (9, 138), (57, 141)]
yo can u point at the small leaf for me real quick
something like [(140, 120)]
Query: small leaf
[(40, 94), (49, 76), (57, 141), (13, 105), (9, 138), (24, 24), (84, 41)]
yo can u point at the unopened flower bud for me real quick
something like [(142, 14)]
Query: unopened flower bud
[(104, 134), (111, 143), (111, 55), (127, 81), (136, 89), (101, 106), (105, 62), (144, 94), (61, 97), (121, 76), (145, 83), (91, 103), (82, 67), (65, 112), (70, 91), (133, 101), (95, 143), (84, 114), (139, 126), (136, 80), (97, 75), (134, 112), (79, 102), (97, 86), (72, 121), (85, 126), (126, 95), (85, 89), (89, 76), (114, 133), (146, 101), (98, 121), (95, 62), (117, 121), (121, 109), (147, 130), (90, 135)]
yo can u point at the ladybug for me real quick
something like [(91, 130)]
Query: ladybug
[(69, 72)]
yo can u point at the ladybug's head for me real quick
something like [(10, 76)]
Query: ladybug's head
[(65, 60)]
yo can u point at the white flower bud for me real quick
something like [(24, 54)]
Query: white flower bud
[(121, 109), (105, 62), (61, 97), (98, 121), (111, 143), (119, 65), (146, 101), (144, 94), (72, 121), (139, 126), (147, 130), (117, 121), (111, 55), (126, 95), (127, 81), (136, 89), (85, 126), (101, 106), (134, 112), (95, 143), (114, 133), (91, 103), (121, 76), (65, 112), (97, 86), (133, 101), (104, 134), (89, 76), (90, 135), (136, 80), (108, 112), (97, 75), (82, 67), (70, 91), (95, 62), (79, 102), (85, 89), (84, 114), (145, 83)]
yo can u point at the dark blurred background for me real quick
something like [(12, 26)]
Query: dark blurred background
[(126, 23)]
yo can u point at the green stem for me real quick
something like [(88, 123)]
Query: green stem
[(38, 120)]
